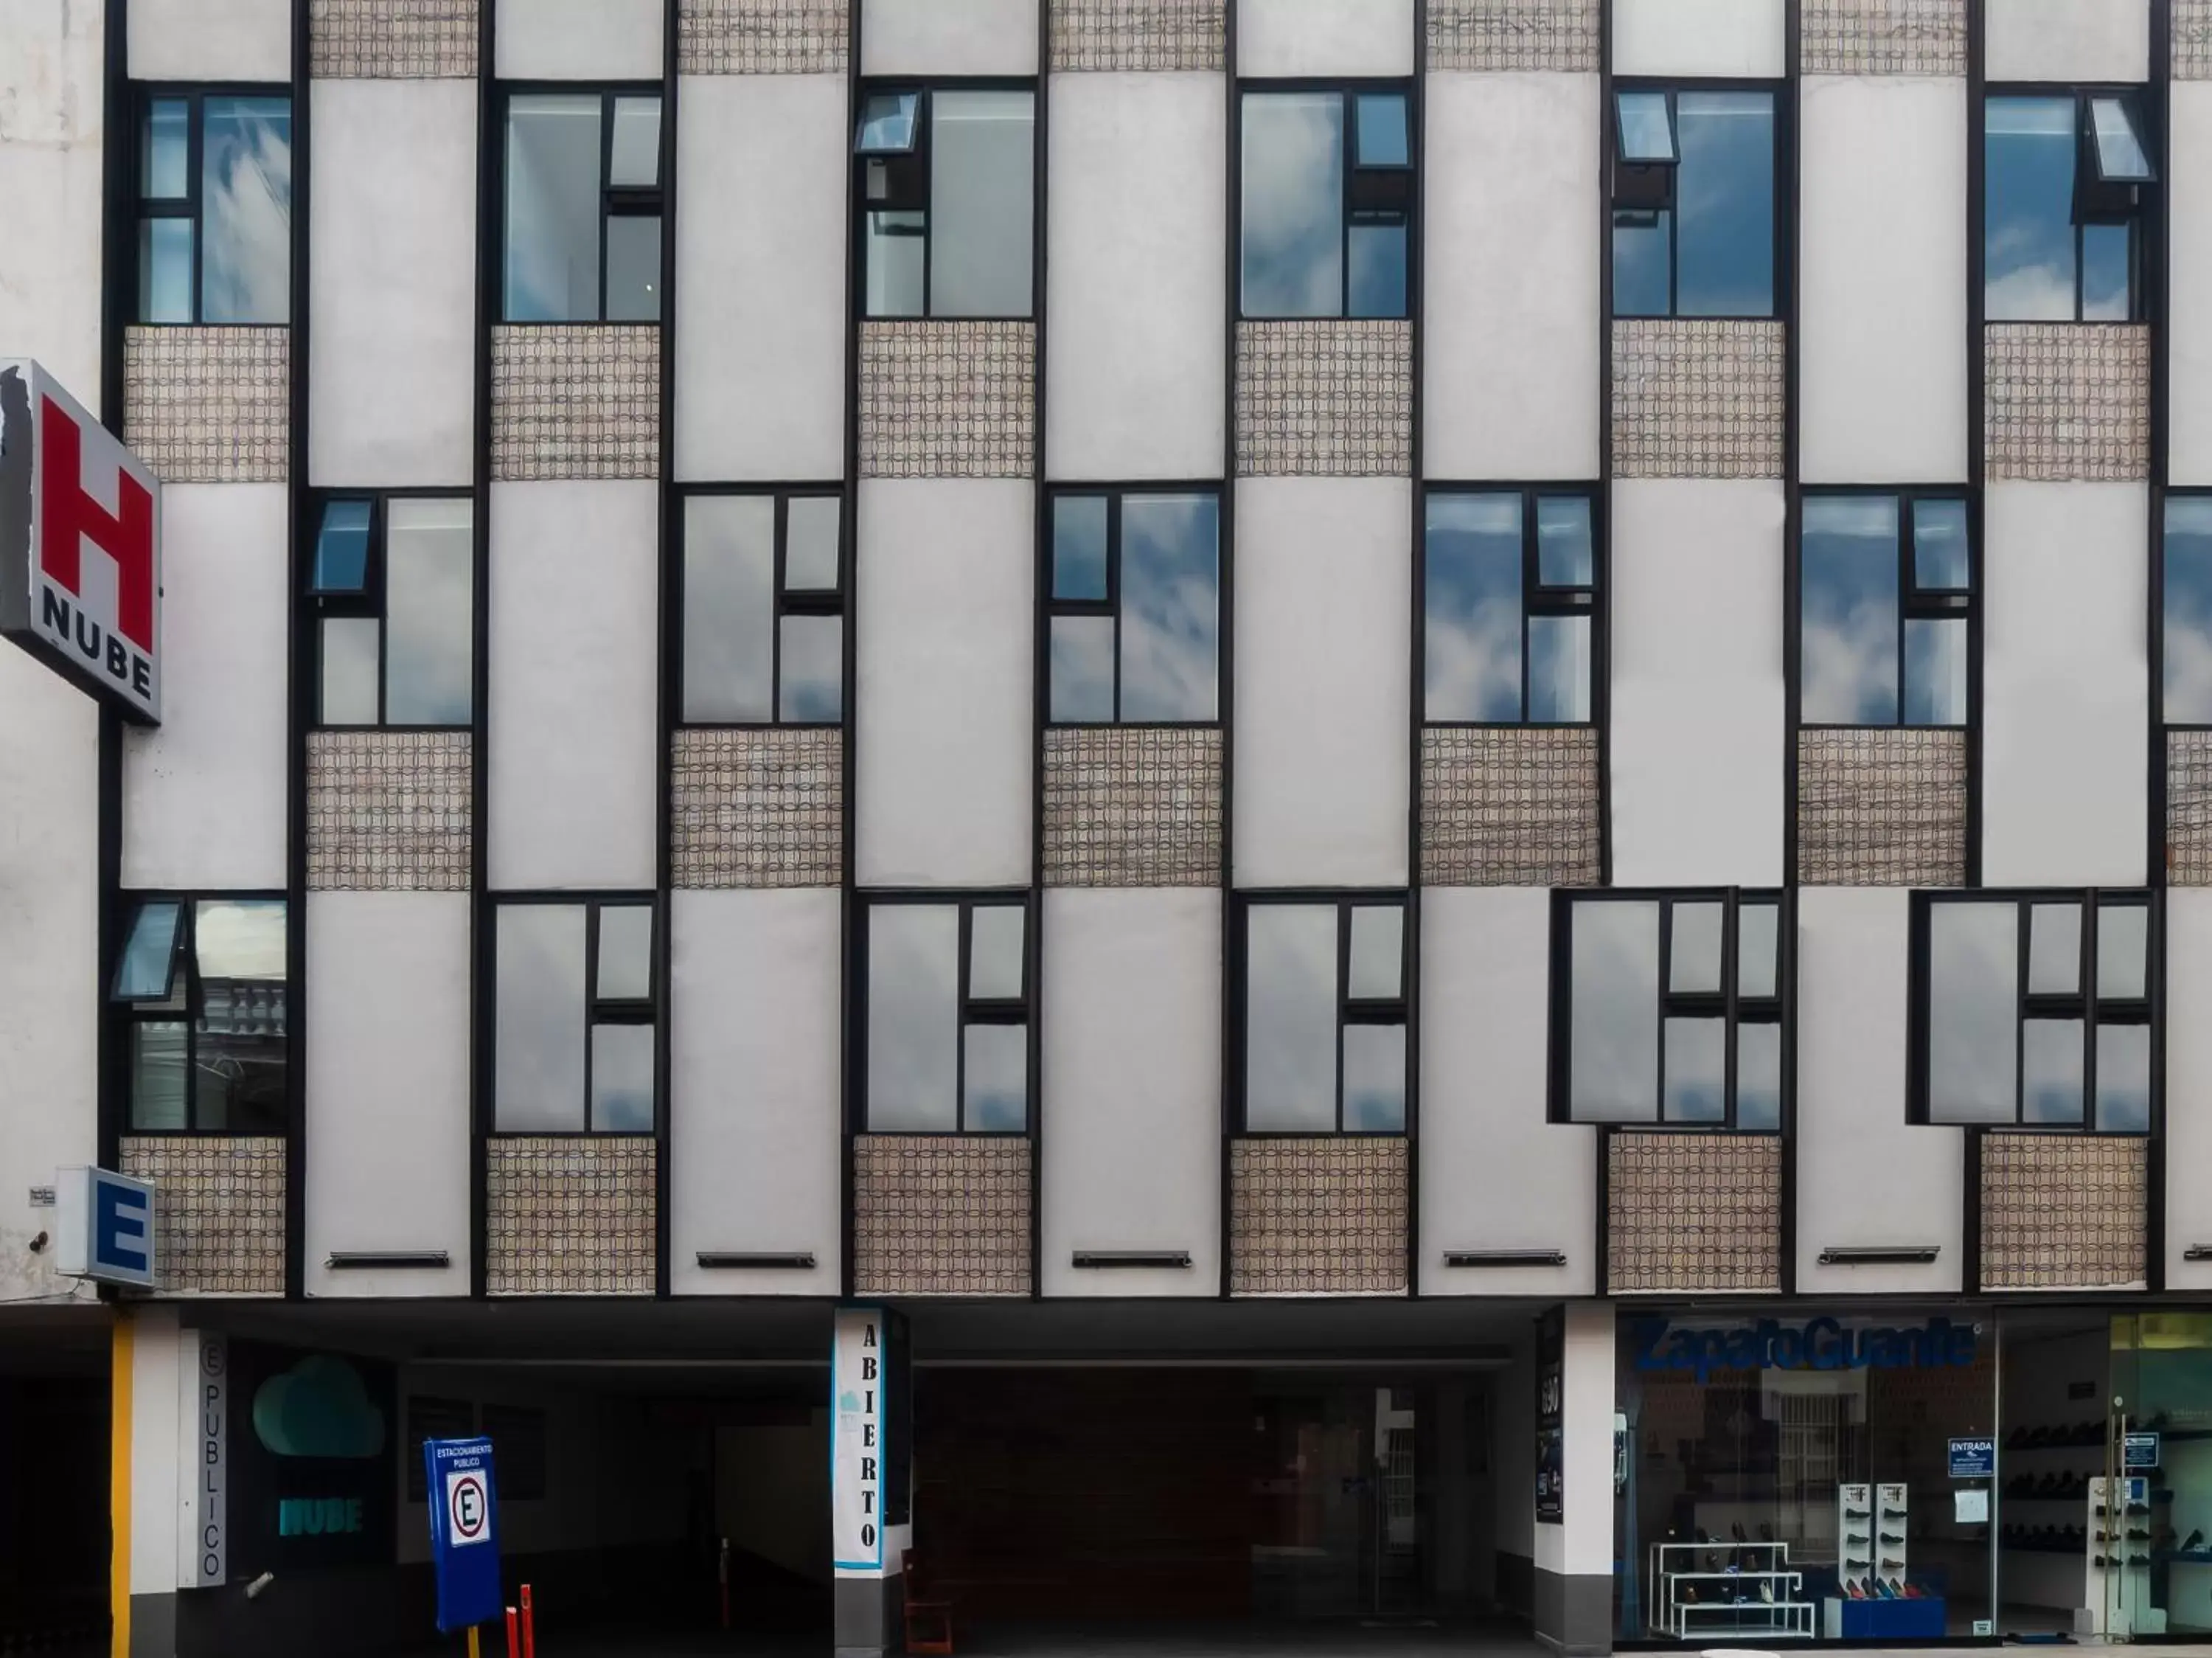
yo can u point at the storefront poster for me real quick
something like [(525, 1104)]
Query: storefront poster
[(1974, 1459), (870, 1437), (1550, 1418), (312, 1475)]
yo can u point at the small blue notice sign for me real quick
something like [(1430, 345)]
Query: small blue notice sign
[(2140, 1452), (463, 1530), (1974, 1459)]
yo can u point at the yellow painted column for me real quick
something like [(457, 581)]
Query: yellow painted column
[(119, 1485)]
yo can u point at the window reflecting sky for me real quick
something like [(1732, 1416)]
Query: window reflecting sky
[(1471, 638), (538, 1017), (2124, 1078), (1291, 1018), (1170, 606), (553, 208), (1614, 1032), (1973, 984), (981, 194), (1293, 204), (622, 1078), (2188, 672), (1724, 204), (729, 606), (246, 209), (2028, 208), (1375, 1078), (1848, 645), (913, 1016), (995, 1089), (429, 572)]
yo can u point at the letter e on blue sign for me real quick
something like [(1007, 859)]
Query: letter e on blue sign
[(104, 1227)]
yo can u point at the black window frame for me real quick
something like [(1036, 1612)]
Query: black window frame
[(1350, 1010), (370, 603), (1730, 1003), (615, 201), (2084, 1003), (189, 206), (184, 983), (1053, 607), (2097, 203), (784, 600), (1537, 598), (1653, 186), (598, 1009), (1368, 187), (969, 1009)]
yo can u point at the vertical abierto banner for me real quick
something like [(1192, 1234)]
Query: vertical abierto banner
[(868, 1431)]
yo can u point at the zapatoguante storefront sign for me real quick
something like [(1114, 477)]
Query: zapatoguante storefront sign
[(1821, 1343)]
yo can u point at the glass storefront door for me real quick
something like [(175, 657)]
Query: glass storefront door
[(2162, 1423)]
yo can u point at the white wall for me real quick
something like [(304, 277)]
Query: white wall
[(1134, 282), (391, 356), (755, 1125), (219, 40), (2189, 320), (163, 1368), (760, 277), (2069, 40), (1494, 1173), (948, 37), (205, 795), (2188, 1083), (1699, 745), (1700, 37), (1323, 633), (1324, 37), (1865, 1176), (50, 177), (1882, 295), (1131, 1118), (579, 39), (387, 1087), (1510, 332), (574, 713), (945, 728), (1582, 1546), (2063, 766)]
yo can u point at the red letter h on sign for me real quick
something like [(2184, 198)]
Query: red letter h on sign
[(68, 517)]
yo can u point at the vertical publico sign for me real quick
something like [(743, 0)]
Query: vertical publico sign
[(1551, 1416), (464, 1504), (211, 1549), (79, 545), (868, 1427)]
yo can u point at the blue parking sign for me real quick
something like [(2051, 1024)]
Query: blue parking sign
[(463, 1530)]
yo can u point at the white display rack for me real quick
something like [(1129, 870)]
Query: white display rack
[(1679, 1568), (2119, 1589)]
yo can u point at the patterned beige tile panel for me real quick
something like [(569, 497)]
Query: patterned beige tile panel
[(2192, 40), (2067, 401), (393, 39), (1137, 34), (1325, 399), (578, 399), (1132, 806), (1510, 806), (941, 1215), (218, 1211), (757, 807), (1697, 400), (2063, 1211), (209, 406), (1882, 808), (1689, 1213), (570, 1215), (1326, 1215), (1514, 34), (762, 37), (389, 811), (948, 399), (2189, 808), (1883, 37)]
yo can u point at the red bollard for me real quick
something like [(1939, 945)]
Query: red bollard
[(529, 1626), (513, 1636)]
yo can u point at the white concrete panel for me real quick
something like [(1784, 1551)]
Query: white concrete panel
[(1700, 38), (1132, 1095), (1133, 287), (50, 177), (1495, 1175), (573, 711), (755, 1130), (205, 795), (220, 41), (759, 279), (1582, 1546), (392, 383), (1700, 739), (1865, 1176), (948, 37), (387, 1058), (2189, 323), (161, 1488), (1324, 595), (2069, 40), (2188, 1084), (2064, 799), (1510, 336), (1324, 37), (1883, 283), (580, 40), (947, 625)]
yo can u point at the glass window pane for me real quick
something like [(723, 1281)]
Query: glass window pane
[(813, 669), (1643, 253), (239, 938), (157, 1077), (1293, 204), (2054, 949), (1614, 1023), (1646, 133), (1378, 952), (995, 1094), (2051, 1070), (538, 1014), (1697, 1070), (1170, 606), (1941, 561), (887, 122), (2188, 670), (1565, 558), (1082, 669), (351, 669), (729, 607), (633, 268), (898, 247), (913, 1016), (2107, 273), (2124, 1079), (150, 953), (1758, 1076), (165, 271), (2028, 209), (429, 576), (1291, 1018), (982, 190), (239, 1058), (1694, 964), (1560, 668), (625, 952), (1374, 1079), (633, 161), (165, 150), (1848, 588), (1724, 200), (622, 1079), (811, 543), (246, 209), (1378, 268), (1380, 131), (553, 208), (994, 952), (1936, 671), (2123, 951), (1470, 636), (342, 547), (1757, 949), (2122, 157), (1079, 546), (1973, 1011)]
